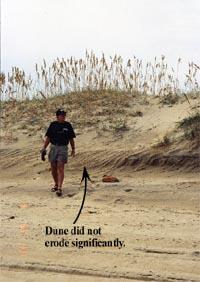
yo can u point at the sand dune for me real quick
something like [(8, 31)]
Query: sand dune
[(154, 208)]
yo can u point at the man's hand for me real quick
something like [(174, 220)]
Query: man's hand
[(43, 154), (73, 153), (72, 146)]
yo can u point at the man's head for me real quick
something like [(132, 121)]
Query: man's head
[(60, 114)]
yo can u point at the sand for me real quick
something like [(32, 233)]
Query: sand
[(154, 210)]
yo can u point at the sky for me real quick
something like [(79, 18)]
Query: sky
[(35, 29)]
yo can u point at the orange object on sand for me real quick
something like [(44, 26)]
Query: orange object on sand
[(109, 178)]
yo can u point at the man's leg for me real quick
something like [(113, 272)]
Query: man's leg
[(60, 172), (54, 172)]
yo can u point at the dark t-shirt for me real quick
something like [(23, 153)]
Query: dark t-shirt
[(60, 132)]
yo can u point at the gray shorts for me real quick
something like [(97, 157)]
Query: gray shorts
[(58, 153)]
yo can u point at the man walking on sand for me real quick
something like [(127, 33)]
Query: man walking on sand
[(60, 133)]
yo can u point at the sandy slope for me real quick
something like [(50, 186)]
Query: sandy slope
[(155, 211)]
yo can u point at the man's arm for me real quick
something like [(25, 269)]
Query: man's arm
[(48, 136), (72, 143), (46, 142)]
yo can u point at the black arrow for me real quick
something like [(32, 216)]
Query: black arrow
[(86, 177)]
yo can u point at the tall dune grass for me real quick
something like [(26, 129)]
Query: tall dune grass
[(98, 73)]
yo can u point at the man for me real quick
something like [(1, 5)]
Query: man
[(60, 133)]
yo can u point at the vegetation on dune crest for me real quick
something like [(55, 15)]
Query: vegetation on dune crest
[(94, 73)]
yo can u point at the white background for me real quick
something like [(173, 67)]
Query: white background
[(36, 29)]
